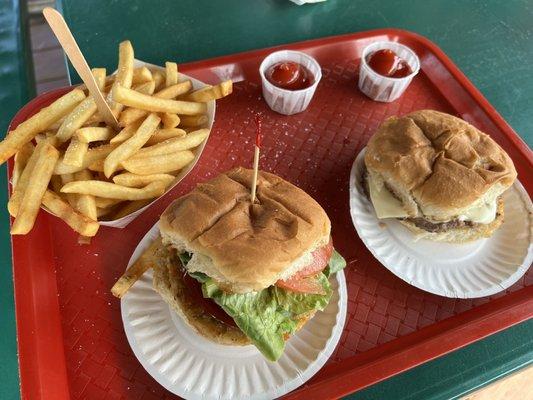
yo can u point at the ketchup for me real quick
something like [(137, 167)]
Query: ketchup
[(289, 75), (387, 63), (194, 292)]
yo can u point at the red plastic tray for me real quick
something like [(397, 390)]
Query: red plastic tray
[(70, 335)]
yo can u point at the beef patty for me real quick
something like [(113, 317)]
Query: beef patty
[(429, 226)]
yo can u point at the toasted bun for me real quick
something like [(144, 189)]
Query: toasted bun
[(438, 165), (461, 234), (246, 247)]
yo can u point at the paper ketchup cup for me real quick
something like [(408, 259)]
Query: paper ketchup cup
[(383, 88), (46, 99), (286, 101)]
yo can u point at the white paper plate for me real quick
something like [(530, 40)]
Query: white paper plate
[(475, 269), (193, 367)]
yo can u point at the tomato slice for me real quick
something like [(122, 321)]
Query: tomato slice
[(305, 280), (309, 284), (320, 261)]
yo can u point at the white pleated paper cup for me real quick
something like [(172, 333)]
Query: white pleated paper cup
[(383, 88), (284, 101)]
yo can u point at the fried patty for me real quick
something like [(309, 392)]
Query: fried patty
[(168, 281)]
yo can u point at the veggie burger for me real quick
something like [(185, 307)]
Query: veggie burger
[(241, 273)]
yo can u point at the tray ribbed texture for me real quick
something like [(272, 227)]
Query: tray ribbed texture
[(314, 150)]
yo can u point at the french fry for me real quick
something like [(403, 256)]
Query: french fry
[(97, 166), (211, 93), (37, 185), (113, 191), (55, 126), (71, 198), (169, 120), (94, 120), (161, 135), (124, 75), (76, 119), (84, 240), (159, 79), (41, 121), (171, 92), (52, 139), (85, 203), (99, 75), (75, 153), (56, 184), (126, 149), (158, 136), (141, 75), (105, 203), (171, 72), (94, 134), (107, 83), (13, 205), (91, 156), (173, 145), (133, 273), (130, 207), (80, 223), (158, 164), (145, 88), (130, 115), (21, 159), (39, 138), (193, 121), (66, 178), (133, 180), (94, 125), (127, 131), (131, 98), (48, 135)]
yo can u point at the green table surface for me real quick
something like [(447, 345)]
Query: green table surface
[(16, 88), (491, 41)]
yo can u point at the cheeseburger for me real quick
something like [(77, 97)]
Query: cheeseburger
[(440, 176), (241, 273)]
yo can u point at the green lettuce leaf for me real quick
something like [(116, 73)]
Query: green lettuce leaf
[(185, 258), (267, 316), (199, 276), (335, 264)]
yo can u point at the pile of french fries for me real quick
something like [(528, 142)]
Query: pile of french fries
[(83, 171)]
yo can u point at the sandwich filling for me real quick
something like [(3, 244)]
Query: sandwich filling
[(269, 316), (387, 205)]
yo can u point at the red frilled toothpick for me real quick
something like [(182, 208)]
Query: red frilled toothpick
[(258, 139)]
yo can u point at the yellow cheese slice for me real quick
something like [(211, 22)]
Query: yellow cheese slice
[(388, 206), (483, 214), (385, 204)]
